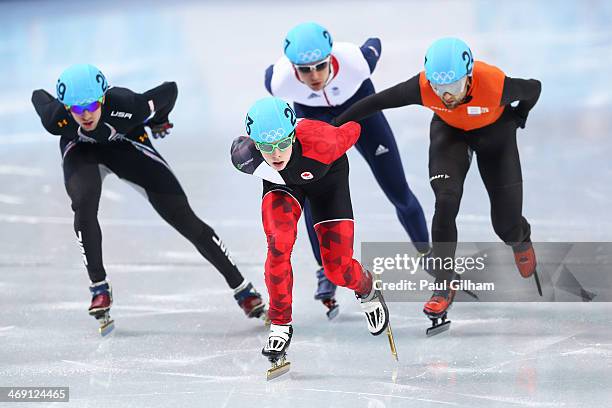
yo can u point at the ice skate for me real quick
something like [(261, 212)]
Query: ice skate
[(326, 292), (375, 309), (276, 349), (377, 315), (250, 301), (436, 310), (101, 302), (525, 259)]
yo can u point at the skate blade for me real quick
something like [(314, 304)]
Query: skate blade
[(537, 281), (333, 312), (278, 370), (471, 294), (99, 313), (258, 312), (437, 329), (106, 328), (392, 342), (266, 319)]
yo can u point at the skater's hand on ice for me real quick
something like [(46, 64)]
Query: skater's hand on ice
[(162, 130)]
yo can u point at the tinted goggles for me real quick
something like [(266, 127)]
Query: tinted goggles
[(319, 66), (281, 145), (90, 107), (454, 88)]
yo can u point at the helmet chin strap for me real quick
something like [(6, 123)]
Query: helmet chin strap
[(331, 72), (468, 96)]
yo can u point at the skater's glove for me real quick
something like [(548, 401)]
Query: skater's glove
[(519, 118), (162, 130)]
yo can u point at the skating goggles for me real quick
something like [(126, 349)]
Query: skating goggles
[(319, 66), (91, 107), (281, 145), (454, 88)]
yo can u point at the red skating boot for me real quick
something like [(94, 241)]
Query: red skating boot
[(101, 302), (436, 309), (326, 292), (525, 259), (250, 301)]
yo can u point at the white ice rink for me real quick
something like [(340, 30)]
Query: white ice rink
[(180, 340)]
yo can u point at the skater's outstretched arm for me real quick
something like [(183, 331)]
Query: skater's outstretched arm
[(526, 91), (402, 94), (53, 115), (371, 50), (268, 79), (247, 159), (326, 143), (161, 99)]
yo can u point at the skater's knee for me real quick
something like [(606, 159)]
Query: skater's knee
[(447, 203), (341, 271), (173, 208), (509, 233), (279, 210), (84, 194), (407, 203), (335, 275), (84, 205), (280, 243), (280, 214)]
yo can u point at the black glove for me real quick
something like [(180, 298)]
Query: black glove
[(519, 117), (161, 130)]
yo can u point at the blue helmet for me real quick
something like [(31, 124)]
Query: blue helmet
[(307, 43), (269, 120), (81, 84), (448, 60)]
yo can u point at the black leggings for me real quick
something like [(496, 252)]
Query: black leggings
[(329, 197), (141, 165), (450, 153)]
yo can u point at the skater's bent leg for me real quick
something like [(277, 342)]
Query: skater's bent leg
[(506, 214), (336, 243), (280, 215), (449, 161), (144, 167), (500, 169), (176, 211), (83, 183), (377, 145), (444, 228)]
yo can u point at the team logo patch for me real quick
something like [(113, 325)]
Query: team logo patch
[(310, 55), (438, 177), (307, 175), (443, 77), (126, 115), (381, 150), (438, 108), (476, 110)]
